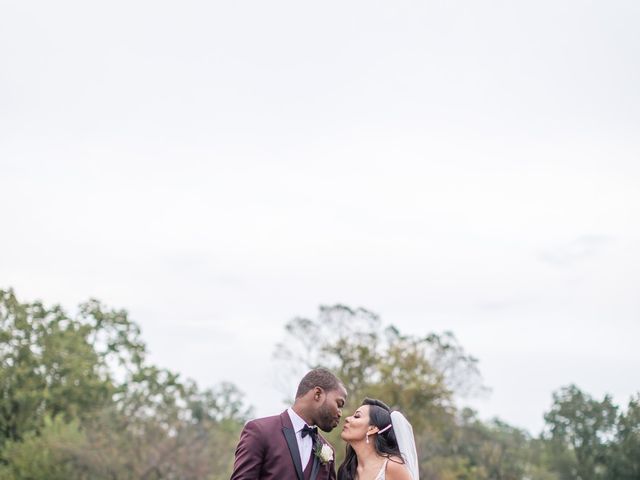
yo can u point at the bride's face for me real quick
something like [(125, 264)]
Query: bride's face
[(357, 425)]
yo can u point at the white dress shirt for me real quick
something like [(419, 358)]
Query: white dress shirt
[(305, 445)]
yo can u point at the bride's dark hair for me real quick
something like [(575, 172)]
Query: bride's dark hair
[(385, 443)]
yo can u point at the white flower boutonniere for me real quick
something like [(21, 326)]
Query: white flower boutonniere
[(324, 453)]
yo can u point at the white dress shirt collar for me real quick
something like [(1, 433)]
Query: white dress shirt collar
[(305, 445), (296, 420)]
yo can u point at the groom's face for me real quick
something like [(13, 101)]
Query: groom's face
[(329, 409)]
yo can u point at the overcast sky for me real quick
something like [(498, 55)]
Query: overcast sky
[(218, 168)]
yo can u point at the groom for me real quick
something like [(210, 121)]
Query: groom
[(288, 446)]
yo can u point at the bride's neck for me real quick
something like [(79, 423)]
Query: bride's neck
[(366, 453)]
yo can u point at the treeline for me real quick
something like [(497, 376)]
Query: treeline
[(584, 438), (80, 400)]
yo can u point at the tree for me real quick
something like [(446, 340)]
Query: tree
[(79, 398), (580, 432), (625, 461), (48, 367), (498, 451), (192, 437), (47, 455), (416, 375)]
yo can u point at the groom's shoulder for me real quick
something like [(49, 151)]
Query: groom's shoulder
[(265, 422)]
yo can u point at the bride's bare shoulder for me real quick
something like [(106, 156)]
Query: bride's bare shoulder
[(396, 470)]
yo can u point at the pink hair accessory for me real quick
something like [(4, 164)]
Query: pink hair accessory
[(385, 428)]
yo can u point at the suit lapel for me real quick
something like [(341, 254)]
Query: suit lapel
[(316, 467), (290, 436), (316, 461)]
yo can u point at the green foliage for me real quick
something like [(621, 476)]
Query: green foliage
[(47, 455), (48, 367), (496, 450), (78, 400), (581, 430), (624, 461), (417, 375), (420, 375)]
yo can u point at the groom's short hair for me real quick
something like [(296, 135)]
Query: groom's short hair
[(318, 377)]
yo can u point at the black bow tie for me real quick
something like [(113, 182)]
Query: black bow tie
[(312, 431)]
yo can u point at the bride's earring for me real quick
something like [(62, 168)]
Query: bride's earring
[(367, 441)]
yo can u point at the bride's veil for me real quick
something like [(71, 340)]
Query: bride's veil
[(406, 442)]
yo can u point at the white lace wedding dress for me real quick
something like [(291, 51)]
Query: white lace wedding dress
[(381, 474)]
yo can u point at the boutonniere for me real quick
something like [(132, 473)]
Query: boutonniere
[(323, 452)]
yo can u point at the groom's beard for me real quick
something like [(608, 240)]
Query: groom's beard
[(326, 420)]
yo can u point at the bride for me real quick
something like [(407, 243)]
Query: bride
[(380, 445)]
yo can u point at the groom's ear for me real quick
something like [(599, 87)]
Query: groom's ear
[(318, 393)]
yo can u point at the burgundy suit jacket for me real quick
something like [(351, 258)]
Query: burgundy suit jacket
[(268, 450)]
